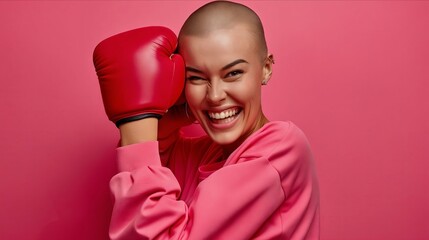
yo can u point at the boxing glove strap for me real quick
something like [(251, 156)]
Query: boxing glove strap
[(138, 117)]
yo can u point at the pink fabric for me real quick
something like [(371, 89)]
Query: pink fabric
[(266, 189)]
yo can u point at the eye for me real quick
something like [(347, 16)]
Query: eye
[(193, 78), (196, 80), (234, 73)]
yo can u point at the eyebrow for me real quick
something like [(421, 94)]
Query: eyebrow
[(229, 65)]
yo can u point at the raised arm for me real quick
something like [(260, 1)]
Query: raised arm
[(265, 190), (232, 203)]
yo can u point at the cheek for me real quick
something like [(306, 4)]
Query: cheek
[(194, 94), (247, 91)]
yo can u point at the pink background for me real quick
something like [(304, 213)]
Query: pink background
[(353, 75)]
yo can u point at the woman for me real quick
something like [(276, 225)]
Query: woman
[(248, 178)]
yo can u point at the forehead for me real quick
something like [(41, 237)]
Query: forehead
[(235, 42)]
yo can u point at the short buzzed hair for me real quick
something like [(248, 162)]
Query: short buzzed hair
[(223, 15)]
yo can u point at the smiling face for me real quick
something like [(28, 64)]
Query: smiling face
[(225, 71)]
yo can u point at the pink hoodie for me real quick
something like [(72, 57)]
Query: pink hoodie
[(266, 189)]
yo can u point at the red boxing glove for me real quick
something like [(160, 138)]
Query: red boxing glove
[(139, 74)]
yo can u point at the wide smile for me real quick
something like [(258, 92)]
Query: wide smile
[(223, 119)]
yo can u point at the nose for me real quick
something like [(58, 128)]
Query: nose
[(215, 92)]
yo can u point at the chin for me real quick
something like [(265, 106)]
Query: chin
[(228, 134)]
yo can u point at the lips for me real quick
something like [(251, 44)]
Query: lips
[(223, 114), (223, 117)]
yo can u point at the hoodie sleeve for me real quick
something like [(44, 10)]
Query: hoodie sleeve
[(266, 190), (232, 203)]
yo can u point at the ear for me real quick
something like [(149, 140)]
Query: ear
[(267, 68)]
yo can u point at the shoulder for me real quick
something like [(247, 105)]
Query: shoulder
[(281, 130), (283, 144), (275, 138), (289, 137)]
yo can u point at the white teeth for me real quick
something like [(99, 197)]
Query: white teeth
[(223, 115)]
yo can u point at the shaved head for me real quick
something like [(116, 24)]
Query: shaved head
[(220, 15)]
